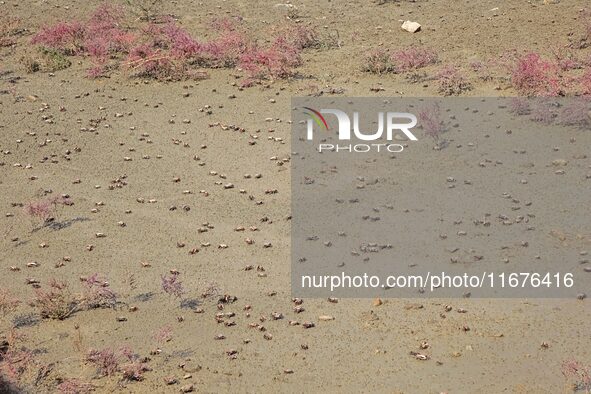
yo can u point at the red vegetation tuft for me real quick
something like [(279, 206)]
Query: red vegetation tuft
[(67, 37), (14, 360), (575, 112), (44, 209), (55, 302), (97, 293), (452, 81), (276, 61), (520, 106), (8, 302), (379, 61), (431, 122), (172, 285), (164, 334), (9, 29), (105, 360), (533, 76), (74, 386), (543, 111), (109, 362), (413, 58), (585, 82), (167, 51)]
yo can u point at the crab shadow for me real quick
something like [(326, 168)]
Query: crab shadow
[(57, 225), (25, 320), (190, 303)]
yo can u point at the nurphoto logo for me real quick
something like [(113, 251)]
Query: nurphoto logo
[(392, 122)]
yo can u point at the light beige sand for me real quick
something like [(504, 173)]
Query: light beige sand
[(366, 348)]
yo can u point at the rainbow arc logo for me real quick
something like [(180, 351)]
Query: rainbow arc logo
[(317, 117)]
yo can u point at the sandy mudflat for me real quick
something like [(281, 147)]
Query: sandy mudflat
[(147, 167)]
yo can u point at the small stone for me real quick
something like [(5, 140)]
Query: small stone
[(411, 27)]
